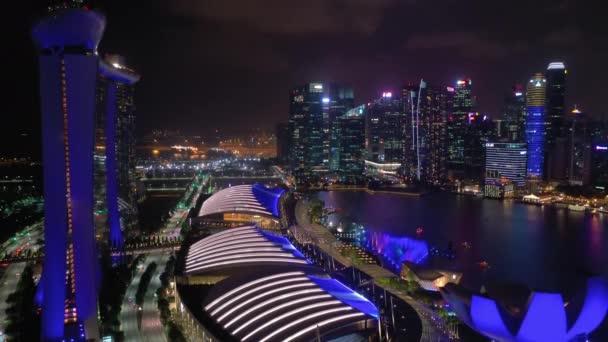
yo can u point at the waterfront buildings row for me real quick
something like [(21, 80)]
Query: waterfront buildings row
[(433, 134), (88, 121)]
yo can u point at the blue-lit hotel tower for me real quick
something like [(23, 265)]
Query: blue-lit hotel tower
[(67, 43), (115, 144), (535, 124)]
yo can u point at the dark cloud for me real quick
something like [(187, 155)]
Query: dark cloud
[(290, 17), (228, 64), (468, 44), (567, 36)]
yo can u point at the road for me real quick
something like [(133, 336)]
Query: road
[(128, 314), (173, 225), (151, 326)]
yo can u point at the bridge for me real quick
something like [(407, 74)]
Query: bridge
[(145, 250), (16, 180), (247, 177)]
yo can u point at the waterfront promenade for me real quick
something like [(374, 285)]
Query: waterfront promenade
[(305, 232)]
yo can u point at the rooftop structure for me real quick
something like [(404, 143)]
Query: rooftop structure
[(238, 247), (67, 44), (266, 291), (253, 199)]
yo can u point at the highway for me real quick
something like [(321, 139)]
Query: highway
[(128, 314)]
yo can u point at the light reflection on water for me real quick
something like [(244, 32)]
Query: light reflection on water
[(543, 247)]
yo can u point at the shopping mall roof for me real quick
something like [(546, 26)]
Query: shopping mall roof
[(243, 246), (288, 305), (255, 199)]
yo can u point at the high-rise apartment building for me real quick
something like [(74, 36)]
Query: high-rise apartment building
[(535, 124), (306, 129), (115, 146), (67, 43), (457, 125)]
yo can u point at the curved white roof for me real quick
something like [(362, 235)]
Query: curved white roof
[(288, 306), (241, 246), (251, 199)]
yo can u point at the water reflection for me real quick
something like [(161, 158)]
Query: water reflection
[(543, 247)]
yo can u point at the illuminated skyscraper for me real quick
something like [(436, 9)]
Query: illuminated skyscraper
[(306, 129), (351, 140), (555, 101), (480, 130), (457, 125), (115, 145), (506, 160), (515, 115), (535, 124), (67, 43), (385, 130), (599, 165), (282, 134), (337, 100), (426, 110), (555, 123)]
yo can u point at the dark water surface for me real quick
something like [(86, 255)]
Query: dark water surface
[(542, 247)]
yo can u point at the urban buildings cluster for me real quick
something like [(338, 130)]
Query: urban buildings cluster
[(434, 135), (87, 106)]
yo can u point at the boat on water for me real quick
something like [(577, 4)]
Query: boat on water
[(576, 207)]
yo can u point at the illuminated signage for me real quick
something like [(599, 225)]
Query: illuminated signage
[(326, 100), (489, 145), (450, 89), (318, 86), (518, 93), (601, 148), (387, 94), (461, 82)]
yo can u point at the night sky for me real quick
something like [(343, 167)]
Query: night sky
[(228, 64)]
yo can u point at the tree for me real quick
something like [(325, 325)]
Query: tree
[(315, 211), (22, 314)]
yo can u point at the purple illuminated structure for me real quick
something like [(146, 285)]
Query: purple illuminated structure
[(117, 81), (67, 44), (399, 249), (539, 316)]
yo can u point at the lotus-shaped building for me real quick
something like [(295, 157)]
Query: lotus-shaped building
[(511, 314)]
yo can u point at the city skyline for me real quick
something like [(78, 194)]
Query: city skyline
[(407, 214), (385, 52)]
